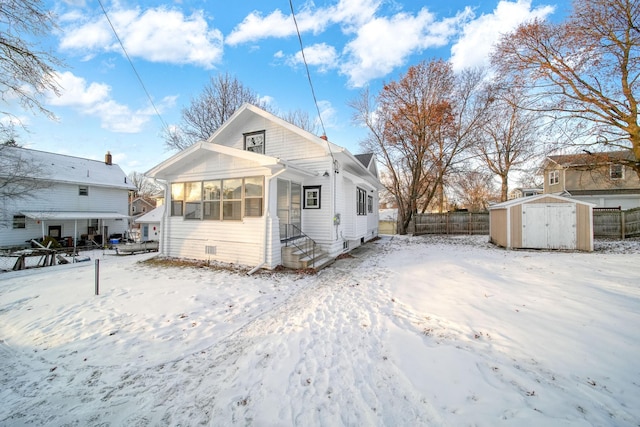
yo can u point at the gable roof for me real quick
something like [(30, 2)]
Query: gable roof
[(154, 215), (589, 158), (529, 199), (67, 169), (236, 124), (365, 159)]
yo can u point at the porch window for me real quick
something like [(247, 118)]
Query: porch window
[(83, 190), (193, 204), (370, 204), (312, 197), (616, 171), (362, 201), (232, 199), (19, 221), (254, 142), (253, 190), (177, 197), (211, 199), (554, 177)]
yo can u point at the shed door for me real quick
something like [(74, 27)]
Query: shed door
[(549, 226)]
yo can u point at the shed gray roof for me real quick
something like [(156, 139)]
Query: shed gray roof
[(68, 169)]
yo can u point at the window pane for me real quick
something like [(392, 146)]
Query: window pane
[(253, 207), (212, 190), (211, 210), (177, 191), (19, 221), (253, 186), (232, 189), (232, 210), (176, 208), (192, 210), (193, 191)]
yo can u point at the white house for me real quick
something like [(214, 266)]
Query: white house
[(263, 192), (77, 199)]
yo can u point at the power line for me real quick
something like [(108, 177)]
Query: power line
[(126, 54), (304, 59)]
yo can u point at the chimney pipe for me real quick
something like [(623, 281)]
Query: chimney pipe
[(107, 158)]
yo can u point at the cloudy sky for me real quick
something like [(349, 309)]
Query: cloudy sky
[(176, 46)]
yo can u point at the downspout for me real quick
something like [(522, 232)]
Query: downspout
[(267, 215), (163, 242)]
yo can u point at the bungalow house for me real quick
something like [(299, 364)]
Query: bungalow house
[(598, 178), (71, 199), (262, 192)]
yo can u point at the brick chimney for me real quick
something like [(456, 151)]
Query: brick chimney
[(324, 137), (107, 158)]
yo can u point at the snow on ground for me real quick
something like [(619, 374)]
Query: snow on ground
[(432, 331)]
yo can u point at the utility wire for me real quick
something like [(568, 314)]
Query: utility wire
[(304, 59), (164, 124)]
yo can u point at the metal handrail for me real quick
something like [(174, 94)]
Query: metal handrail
[(293, 233)]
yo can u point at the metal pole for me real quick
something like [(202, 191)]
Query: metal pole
[(97, 277)]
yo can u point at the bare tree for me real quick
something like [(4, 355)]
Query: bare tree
[(20, 178), (27, 71), (145, 187), (474, 189), (301, 119), (218, 101), (509, 138), (586, 69), (418, 128)]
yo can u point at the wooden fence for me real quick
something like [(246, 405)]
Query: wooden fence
[(606, 223), (616, 223), (450, 223)]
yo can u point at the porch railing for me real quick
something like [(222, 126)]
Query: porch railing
[(293, 235)]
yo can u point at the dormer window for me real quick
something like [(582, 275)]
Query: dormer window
[(554, 177), (616, 171), (254, 142)]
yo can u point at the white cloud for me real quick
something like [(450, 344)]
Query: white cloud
[(383, 44), (157, 35), (94, 99), (321, 55), (479, 36), (255, 26), (328, 113)]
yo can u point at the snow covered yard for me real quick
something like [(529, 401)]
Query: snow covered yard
[(410, 331)]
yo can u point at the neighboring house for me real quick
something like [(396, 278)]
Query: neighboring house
[(260, 191), (595, 178), (82, 200), (516, 193), (141, 205), (149, 224)]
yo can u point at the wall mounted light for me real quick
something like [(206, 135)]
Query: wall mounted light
[(326, 173)]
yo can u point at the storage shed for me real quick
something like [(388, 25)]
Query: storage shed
[(544, 221)]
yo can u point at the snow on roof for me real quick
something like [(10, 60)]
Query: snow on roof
[(69, 169), (153, 215)]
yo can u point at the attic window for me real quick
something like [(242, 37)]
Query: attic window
[(83, 190), (616, 171), (554, 177), (254, 142)]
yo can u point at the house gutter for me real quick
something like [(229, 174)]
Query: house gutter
[(267, 215)]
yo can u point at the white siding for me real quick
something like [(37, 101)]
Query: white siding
[(63, 197), (239, 242)]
